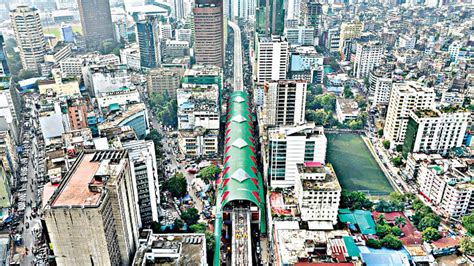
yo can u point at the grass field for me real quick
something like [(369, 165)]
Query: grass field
[(55, 30), (355, 167)]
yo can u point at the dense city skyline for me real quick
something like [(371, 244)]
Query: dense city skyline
[(236, 132)]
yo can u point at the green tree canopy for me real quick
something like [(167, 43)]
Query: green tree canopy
[(348, 92), (386, 144), (392, 242), (430, 234), (382, 230), (468, 223), (396, 231), (190, 216), (355, 200), (209, 172), (176, 185), (373, 243), (430, 220), (466, 245)]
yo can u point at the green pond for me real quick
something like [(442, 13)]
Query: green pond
[(355, 167)]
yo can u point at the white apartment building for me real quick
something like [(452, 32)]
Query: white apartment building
[(318, 192), (198, 142), (346, 109), (453, 50), (103, 78), (380, 87), (436, 130), (448, 185), (130, 57), (367, 56), (71, 66), (404, 98), (120, 96), (289, 146), (272, 58), (198, 106), (407, 42), (284, 102), (333, 40), (145, 179), (165, 30), (300, 35), (26, 24), (183, 35)]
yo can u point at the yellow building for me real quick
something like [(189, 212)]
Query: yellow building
[(349, 31)]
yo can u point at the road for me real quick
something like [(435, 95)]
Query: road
[(31, 196), (238, 76), (171, 152)]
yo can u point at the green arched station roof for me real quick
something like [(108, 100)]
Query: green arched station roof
[(240, 177)]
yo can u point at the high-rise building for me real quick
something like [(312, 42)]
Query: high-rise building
[(447, 183), (145, 178), (332, 41), (284, 102), (404, 98), (4, 70), (436, 131), (270, 17), (367, 56), (349, 31), (311, 15), (149, 42), (96, 21), (318, 192), (178, 8), (163, 80), (272, 58), (92, 216), (300, 35), (209, 32), (289, 146), (380, 80), (67, 35), (29, 36)]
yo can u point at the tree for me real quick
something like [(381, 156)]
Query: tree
[(386, 144), (400, 221), (466, 245), (381, 219), (178, 225), (468, 223), (348, 94), (190, 216), (209, 172), (318, 90), (430, 234), (164, 108), (361, 102), (392, 242), (396, 231), (399, 148), (198, 228), (373, 243), (176, 185), (397, 161), (429, 220), (355, 200), (383, 230), (380, 132), (156, 137)]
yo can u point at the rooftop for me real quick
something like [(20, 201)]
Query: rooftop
[(171, 249), (348, 106), (310, 130), (317, 176), (83, 184)]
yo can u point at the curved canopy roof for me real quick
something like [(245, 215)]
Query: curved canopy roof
[(240, 178)]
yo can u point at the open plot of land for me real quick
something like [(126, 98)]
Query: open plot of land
[(354, 165)]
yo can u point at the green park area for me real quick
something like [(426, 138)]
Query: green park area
[(355, 167), (55, 30)]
